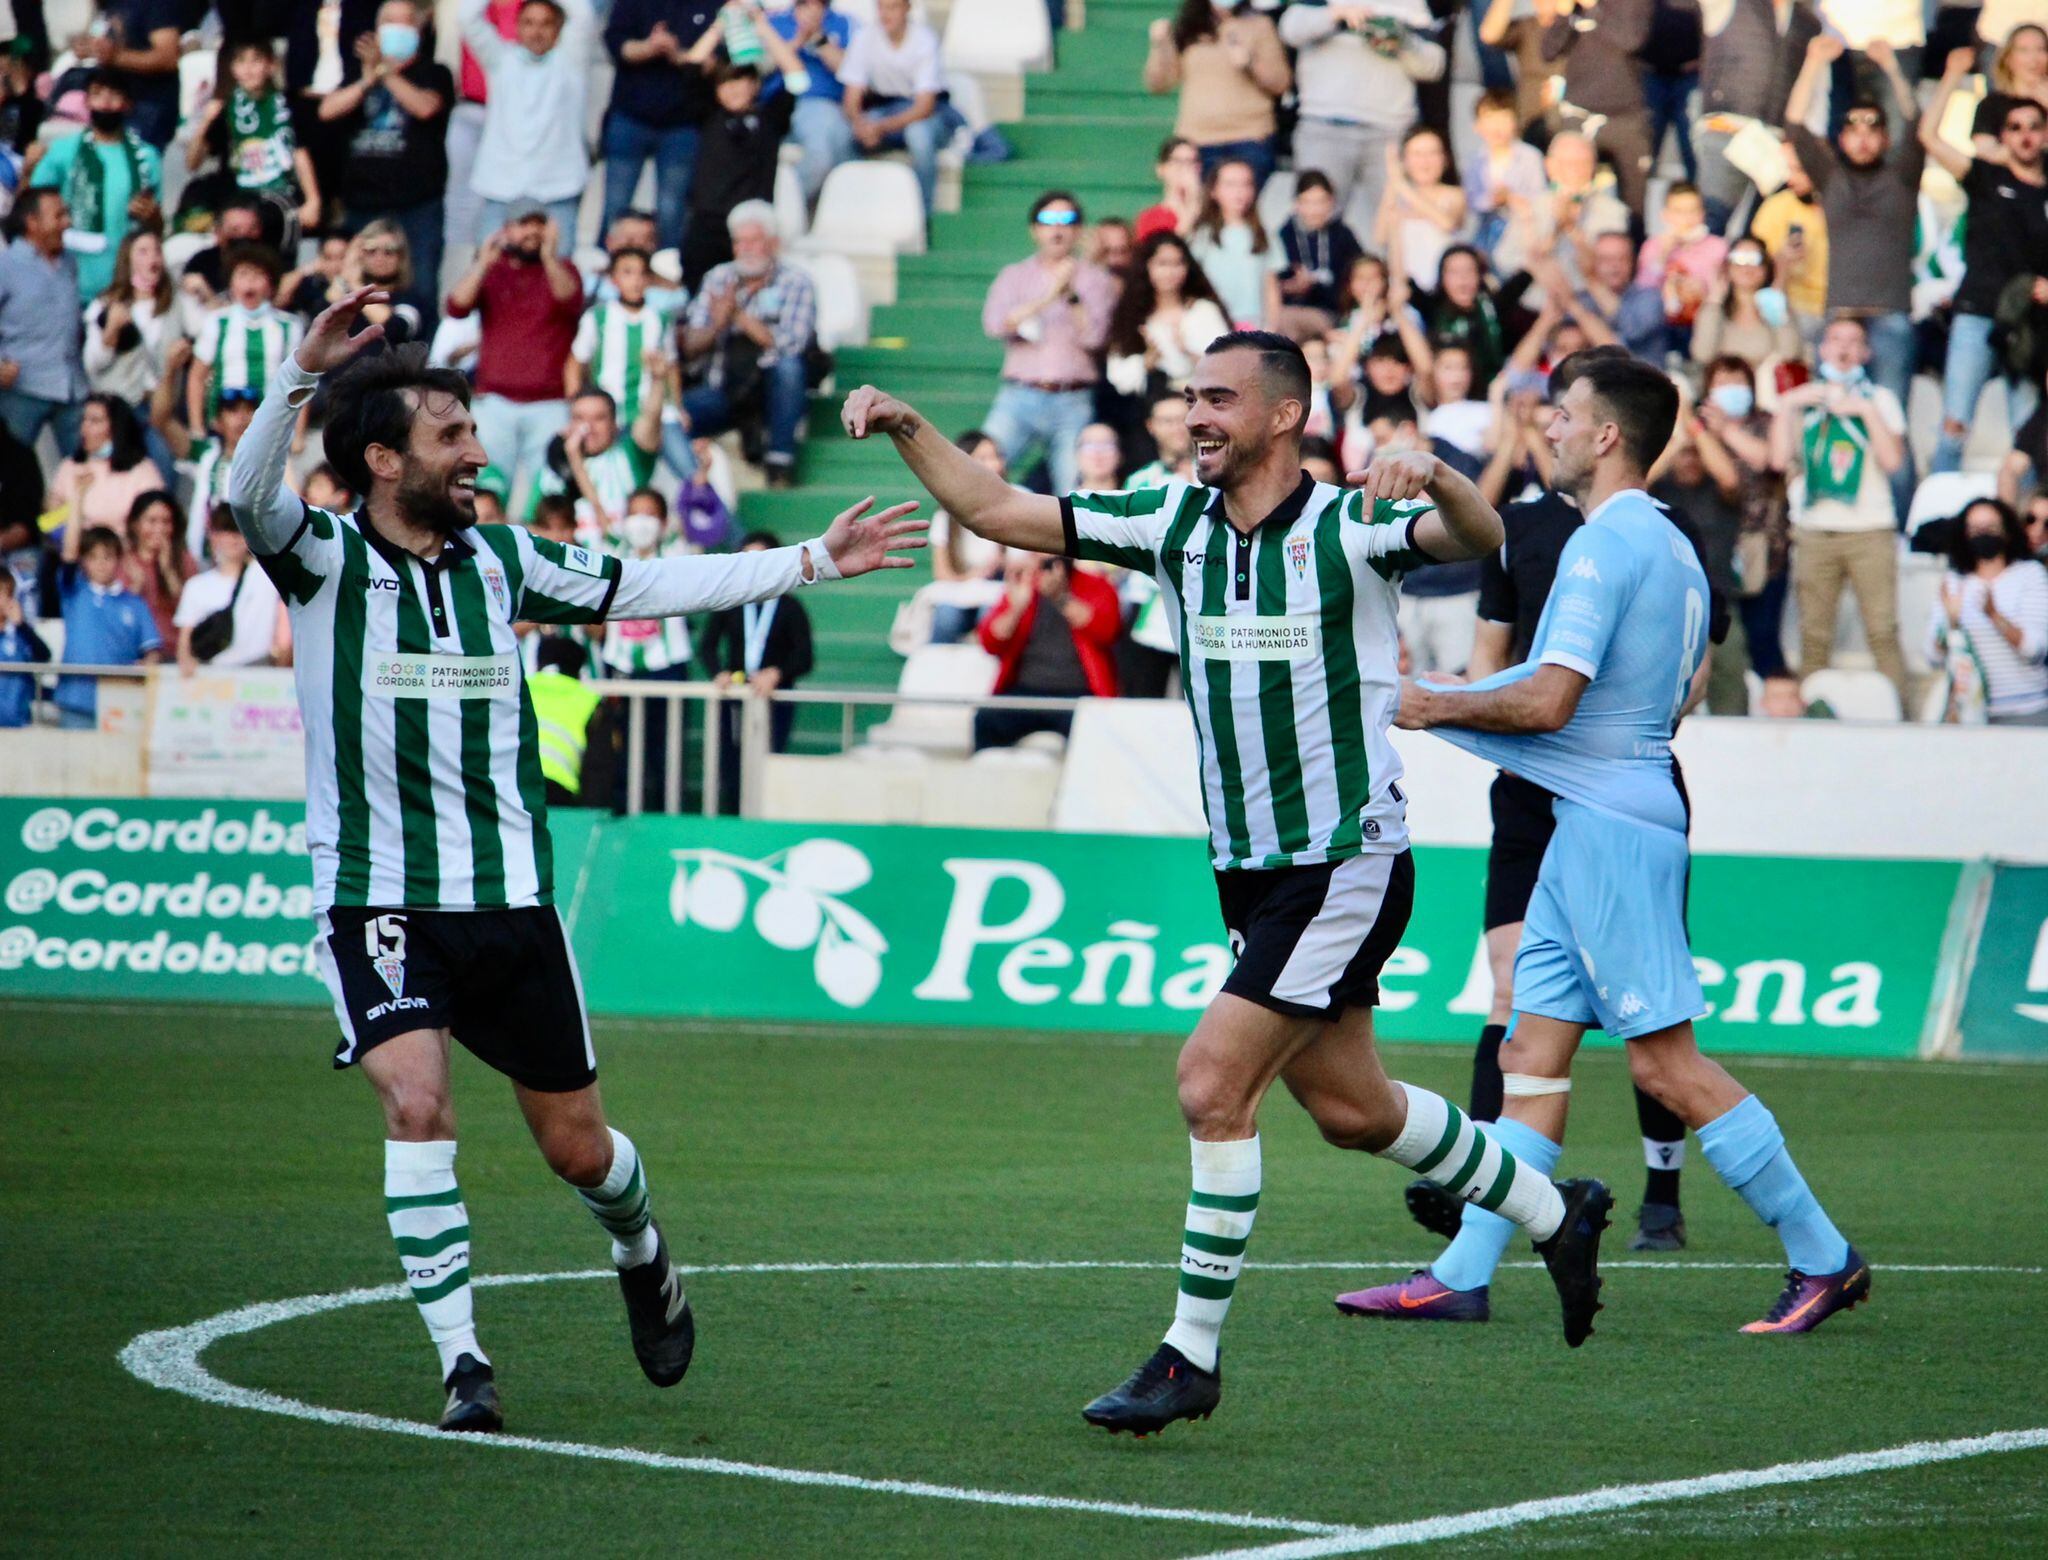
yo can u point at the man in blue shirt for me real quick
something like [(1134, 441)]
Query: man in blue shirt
[(1589, 717), (105, 623), (821, 35)]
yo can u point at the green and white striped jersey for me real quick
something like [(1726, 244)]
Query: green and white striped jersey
[(423, 779), (619, 471), (242, 349), (645, 644), (611, 341), (1289, 658), (209, 467)]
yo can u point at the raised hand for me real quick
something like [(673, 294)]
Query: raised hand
[(870, 411), (1398, 476), (1826, 47), (327, 344), (860, 544)]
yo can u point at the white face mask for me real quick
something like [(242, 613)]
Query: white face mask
[(642, 532)]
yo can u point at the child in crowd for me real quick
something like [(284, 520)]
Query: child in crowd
[(1455, 418), (240, 346), (247, 125), (1683, 260), (619, 341), (1233, 248), (105, 623), (644, 646), (20, 645), (1180, 192), (740, 149), (1508, 179), (1321, 251)]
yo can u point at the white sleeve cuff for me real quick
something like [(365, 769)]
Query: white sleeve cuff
[(1570, 662), (822, 566)]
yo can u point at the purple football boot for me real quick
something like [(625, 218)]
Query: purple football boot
[(1417, 1298), (1810, 1299)]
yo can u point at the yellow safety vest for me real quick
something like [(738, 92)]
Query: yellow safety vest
[(562, 707)]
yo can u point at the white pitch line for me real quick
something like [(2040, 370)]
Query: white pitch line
[(170, 1359), (1622, 1497), (1669, 1265)]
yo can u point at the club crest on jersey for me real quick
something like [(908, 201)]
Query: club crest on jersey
[(495, 579), (1297, 555)]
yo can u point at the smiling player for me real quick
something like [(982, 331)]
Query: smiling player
[(1281, 592), (426, 815)]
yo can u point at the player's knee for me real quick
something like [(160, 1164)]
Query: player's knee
[(581, 1159), (1520, 1054), (418, 1113), (1656, 1070), (1358, 1127), (1210, 1101)]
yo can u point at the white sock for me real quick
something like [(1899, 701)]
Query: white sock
[(430, 1227), (1221, 1208), (1439, 1141), (619, 1202)]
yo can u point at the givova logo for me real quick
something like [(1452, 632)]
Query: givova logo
[(799, 906)]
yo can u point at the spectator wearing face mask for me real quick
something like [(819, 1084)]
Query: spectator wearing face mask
[(1744, 316), (111, 178), (1728, 417), (1989, 630), (1838, 439)]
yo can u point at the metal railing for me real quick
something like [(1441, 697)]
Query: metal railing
[(45, 675)]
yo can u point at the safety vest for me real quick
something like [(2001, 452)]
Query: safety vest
[(562, 707)]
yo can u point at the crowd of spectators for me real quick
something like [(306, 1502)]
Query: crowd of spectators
[(1830, 225), (1854, 212)]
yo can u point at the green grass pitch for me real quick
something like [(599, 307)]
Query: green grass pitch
[(158, 1168)]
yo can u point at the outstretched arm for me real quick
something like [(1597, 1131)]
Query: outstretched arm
[(973, 495)]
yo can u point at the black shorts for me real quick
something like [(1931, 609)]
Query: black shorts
[(503, 982), (1311, 941), (1522, 826)]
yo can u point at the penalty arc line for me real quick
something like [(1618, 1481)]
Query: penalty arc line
[(169, 1359), (1623, 1497)]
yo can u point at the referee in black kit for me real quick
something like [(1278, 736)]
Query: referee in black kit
[(1514, 584)]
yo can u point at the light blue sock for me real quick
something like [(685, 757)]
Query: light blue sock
[(1748, 1151), (1468, 1262)]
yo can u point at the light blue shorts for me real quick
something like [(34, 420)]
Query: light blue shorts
[(1604, 942)]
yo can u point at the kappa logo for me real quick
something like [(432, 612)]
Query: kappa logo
[(384, 939), (1632, 1006), (1297, 555), (1584, 569)]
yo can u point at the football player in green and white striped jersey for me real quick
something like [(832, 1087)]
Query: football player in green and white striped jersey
[(1281, 592), (426, 811)]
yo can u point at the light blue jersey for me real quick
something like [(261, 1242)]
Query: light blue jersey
[(1604, 942), (1629, 612)]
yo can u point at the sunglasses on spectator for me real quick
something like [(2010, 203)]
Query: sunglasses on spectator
[(1863, 119), (1058, 217), (1746, 257), (380, 249)]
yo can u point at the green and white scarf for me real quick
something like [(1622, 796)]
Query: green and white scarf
[(1836, 448), (260, 141), (86, 190)]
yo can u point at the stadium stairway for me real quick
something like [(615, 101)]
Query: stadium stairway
[(1089, 128)]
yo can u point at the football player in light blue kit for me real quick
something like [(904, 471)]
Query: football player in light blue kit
[(1589, 716)]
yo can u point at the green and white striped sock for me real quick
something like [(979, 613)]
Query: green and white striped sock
[(1220, 1213), (1440, 1142), (619, 1202), (430, 1227)]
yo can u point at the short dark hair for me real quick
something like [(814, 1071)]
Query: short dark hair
[(1729, 363), (1641, 400), (631, 252), (1313, 179), (1169, 146), (554, 506), (660, 503), (260, 256), (558, 652), (1281, 364), (1058, 198), (98, 537), (1497, 100), (1318, 448), (597, 393), (2020, 106), (27, 204), (765, 538), (109, 79), (2011, 527), (726, 72), (220, 518), (372, 401)]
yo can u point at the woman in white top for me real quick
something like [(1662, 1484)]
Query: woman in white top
[(1990, 627), (1242, 260), (130, 327), (260, 634), (1164, 319), (1420, 215)]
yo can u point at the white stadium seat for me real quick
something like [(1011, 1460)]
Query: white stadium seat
[(792, 214), (869, 208), (842, 311), (995, 36), (935, 671), (1943, 495), (1853, 695)]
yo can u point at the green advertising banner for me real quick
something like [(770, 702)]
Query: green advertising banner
[(2005, 1013), (961, 928), (148, 901)]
